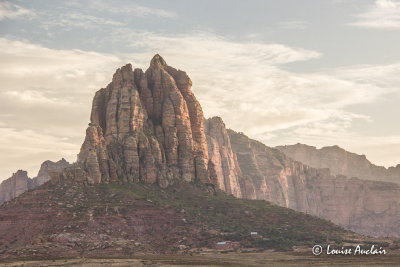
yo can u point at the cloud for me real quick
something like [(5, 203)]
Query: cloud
[(245, 84), (70, 20), (136, 10), (26, 149), (382, 14), (12, 11), (254, 93), (26, 66), (45, 101), (129, 8), (49, 92), (293, 24)]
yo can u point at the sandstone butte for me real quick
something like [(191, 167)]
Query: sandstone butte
[(149, 127)]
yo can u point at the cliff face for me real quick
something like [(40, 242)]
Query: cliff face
[(14, 186), (19, 182), (342, 162), (146, 126), (221, 155), (367, 207)]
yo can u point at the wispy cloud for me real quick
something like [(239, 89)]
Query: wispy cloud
[(70, 20), (12, 11), (45, 101), (243, 82), (293, 25), (382, 14), (130, 8), (254, 93), (134, 9)]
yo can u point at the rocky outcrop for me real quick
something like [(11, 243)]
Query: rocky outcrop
[(19, 182), (367, 207), (47, 167), (221, 155), (14, 186), (146, 126), (341, 162)]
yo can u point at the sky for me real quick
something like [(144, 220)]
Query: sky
[(319, 72)]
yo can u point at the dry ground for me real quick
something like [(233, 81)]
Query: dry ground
[(228, 259)]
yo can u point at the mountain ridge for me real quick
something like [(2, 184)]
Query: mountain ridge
[(341, 162)]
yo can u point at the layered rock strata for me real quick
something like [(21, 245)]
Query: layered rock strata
[(367, 207), (341, 162)]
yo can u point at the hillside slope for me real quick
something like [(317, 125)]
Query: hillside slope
[(67, 219)]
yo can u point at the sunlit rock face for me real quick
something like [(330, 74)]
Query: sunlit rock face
[(224, 159), (146, 126)]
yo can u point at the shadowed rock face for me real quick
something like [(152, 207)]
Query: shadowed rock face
[(14, 186), (146, 126), (341, 162)]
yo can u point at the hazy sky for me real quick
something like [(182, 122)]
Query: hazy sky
[(320, 72)]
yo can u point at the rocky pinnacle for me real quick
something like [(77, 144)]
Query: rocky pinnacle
[(146, 126)]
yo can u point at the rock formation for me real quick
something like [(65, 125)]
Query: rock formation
[(19, 182), (367, 207), (14, 186), (149, 127), (47, 167), (341, 162), (221, 155), (146, 126)]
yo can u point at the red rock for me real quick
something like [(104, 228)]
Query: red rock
[(224, 159), (146, 127)]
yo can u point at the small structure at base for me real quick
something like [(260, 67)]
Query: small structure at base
[(226, 245), (255, 235)]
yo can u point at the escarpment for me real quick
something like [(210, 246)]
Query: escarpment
[(341, 162), (367, 207), (146, 126)]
